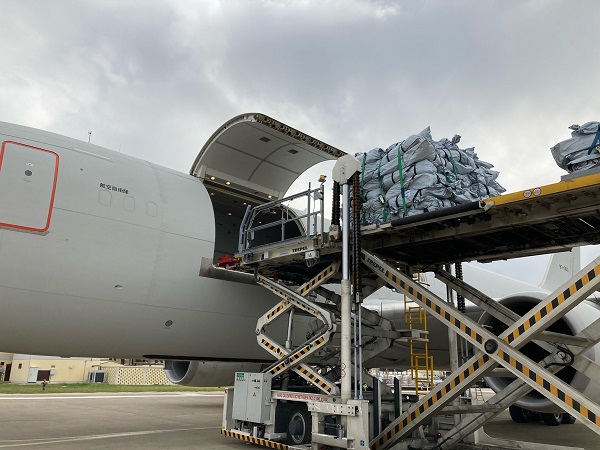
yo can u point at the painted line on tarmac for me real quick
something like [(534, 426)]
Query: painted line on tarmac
[(46, 441), (79, 397)]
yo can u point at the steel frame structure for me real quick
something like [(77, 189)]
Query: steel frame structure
[(493, 350)]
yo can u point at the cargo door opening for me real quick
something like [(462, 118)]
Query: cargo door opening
[(229, 210), (253, 159)]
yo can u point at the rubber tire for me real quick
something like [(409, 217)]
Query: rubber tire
[(568, 419), (517, 414), (552, 419), (299, 425)]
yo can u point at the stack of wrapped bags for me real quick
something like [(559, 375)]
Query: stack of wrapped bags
[(419, 175), (582, 151)]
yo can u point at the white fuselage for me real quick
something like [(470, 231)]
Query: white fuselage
[(116, 272)]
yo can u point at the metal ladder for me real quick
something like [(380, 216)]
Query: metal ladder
[(421, 361)]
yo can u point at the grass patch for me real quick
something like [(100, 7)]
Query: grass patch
[(61, 388)]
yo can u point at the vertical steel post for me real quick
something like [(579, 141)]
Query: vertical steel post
[(360, 353), (376, 413), (344, 168), (346, 298), (397, 398), (355, 396), (324, 237), (282, 223), (308, 213), (356, 267), (452, 343)]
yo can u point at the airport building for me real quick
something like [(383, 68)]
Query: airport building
[(20, 368)]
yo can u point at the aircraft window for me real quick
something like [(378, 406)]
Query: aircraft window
[(151, 209), (28, 173), (104, 197), (128, 203)]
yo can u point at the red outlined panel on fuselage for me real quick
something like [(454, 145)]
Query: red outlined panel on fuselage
[(28, 178)]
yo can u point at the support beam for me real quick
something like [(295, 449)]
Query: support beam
[(545, 339), (346, 338), (319, 279), (292, 359), (494, 349), (511, 394)]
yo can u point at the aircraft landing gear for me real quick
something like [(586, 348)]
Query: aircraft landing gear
[(518, 414), (521, 415), (552, 419)]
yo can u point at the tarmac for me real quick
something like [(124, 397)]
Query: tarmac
[(179, 421)]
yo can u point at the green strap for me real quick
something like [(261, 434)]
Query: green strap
[(382, 192), (363, 217), (404, 208), (596, 142), (362, 179), (453, 196), (453, 166)]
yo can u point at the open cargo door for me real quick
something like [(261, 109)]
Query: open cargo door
[(250, 160)]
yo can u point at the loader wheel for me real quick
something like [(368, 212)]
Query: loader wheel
[(552, 419), (299, 425)]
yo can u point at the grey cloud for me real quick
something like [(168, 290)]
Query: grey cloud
[(156, 78)]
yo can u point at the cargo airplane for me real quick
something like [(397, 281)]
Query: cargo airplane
[(103, 254)]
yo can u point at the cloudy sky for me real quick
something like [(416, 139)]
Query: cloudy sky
[(154, 79)]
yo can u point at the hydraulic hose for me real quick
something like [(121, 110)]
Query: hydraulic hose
[(335, 213), (460, 300)]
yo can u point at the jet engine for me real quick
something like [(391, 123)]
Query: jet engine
[(206, 373), (570, 324)]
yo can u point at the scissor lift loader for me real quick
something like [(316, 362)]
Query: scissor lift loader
[(541, 220)]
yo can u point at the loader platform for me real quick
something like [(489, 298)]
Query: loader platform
[(540, 220)]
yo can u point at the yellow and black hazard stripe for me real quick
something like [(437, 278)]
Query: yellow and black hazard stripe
[(473, 334), (315, 379), (441, 311), (284, 304), (412, 414), (304, 350), (298, 354), (302, 369), (320, 277), (550, 388), (254, 440), (265, 281), (305, 307), (446, 313), (287, 296), (274, 349), (555, 303), (310, 375)]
